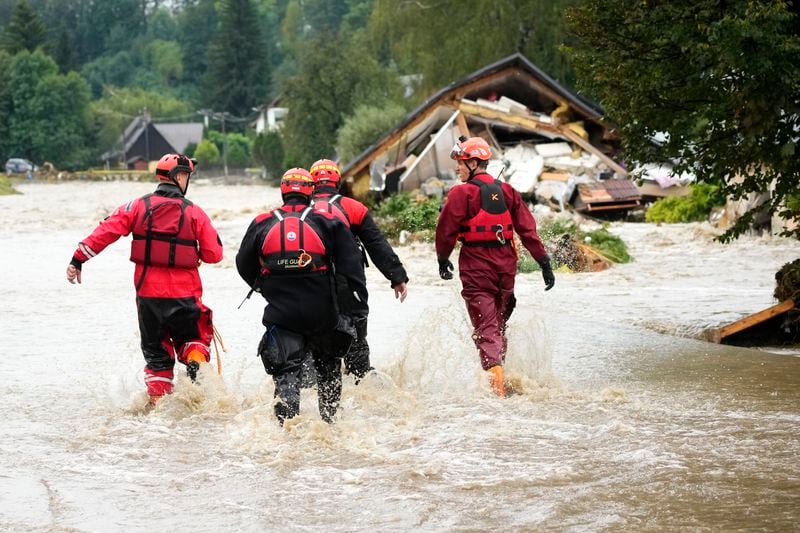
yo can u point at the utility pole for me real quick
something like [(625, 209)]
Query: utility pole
[(146, 135), (224, 144)]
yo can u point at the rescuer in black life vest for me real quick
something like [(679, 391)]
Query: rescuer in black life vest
[(171, 236), (289, 256), (356, 217)]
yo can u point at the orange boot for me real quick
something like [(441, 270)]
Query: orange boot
[(193, 361), (496, 379)]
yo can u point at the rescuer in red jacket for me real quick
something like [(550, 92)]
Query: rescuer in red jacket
[(289, 256), (356, 217), (171, 236), (483, 213)]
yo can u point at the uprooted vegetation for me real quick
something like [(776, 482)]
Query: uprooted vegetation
[(403, 211), (787, 281), (575, 249)]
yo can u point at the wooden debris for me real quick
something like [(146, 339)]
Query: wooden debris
[(724, 335)]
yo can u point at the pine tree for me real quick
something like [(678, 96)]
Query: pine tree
[(64, 53), (237, 79), (25, 30)]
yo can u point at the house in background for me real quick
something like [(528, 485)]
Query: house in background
[(143, 140), (271, 116)]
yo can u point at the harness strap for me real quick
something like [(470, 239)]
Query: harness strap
[(493, 228)]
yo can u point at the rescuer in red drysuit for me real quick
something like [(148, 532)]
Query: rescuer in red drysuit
[(171, 236), (289, 255), (356, 217), (483, 213)]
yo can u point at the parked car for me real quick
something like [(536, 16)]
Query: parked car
[(19, 166)]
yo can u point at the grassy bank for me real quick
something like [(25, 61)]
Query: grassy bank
[(6, 187)]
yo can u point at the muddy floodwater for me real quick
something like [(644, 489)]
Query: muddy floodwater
[(622, 420)]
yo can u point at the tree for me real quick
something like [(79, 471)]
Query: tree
[(24, 31), (268, 152), (366, 125), (108, 26), (25, 72), (63, 119), (110, 69), (64, 52), (5, 105), (50, 115), (196, 24), (164, 58), (334, 75), (718, 84), (447, 39), (237, 79)]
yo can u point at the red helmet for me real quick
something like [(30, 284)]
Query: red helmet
[(297, 181), (472, 148), (325, 170), (171, 164)]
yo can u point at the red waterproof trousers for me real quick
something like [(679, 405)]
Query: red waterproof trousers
[(489, 295), (487, 272)]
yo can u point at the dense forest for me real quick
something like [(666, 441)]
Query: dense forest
[(74, 73)]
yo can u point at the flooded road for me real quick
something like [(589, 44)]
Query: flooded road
[(615, 424)]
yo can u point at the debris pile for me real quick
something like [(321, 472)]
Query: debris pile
[(788, 281)]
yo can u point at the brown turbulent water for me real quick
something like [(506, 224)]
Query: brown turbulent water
[(615, 424)]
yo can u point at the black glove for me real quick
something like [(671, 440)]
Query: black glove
[(445, 268), (360, 323), (547, 273)]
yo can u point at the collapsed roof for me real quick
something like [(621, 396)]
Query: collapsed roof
[(509, 102)]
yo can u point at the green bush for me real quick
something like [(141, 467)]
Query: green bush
[(394, 205), (239, 150), (526, 263), (6, 187), (207, 153), (420, 215), (402, 212), (793, 203), (692, 208)]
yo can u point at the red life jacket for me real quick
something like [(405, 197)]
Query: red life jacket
[(164, 235), (293, 245), (492, 225), (332, 206)]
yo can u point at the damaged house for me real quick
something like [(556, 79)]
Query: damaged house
[(549, 143)]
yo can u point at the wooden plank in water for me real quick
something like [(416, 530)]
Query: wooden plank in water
[(752, 320)]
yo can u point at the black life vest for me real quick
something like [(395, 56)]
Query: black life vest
[(492, 225), (163, 236), (293, 245), (332, 206)]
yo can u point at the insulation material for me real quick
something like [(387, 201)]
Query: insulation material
[(524, 167), (554, 149), (513, 106)]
